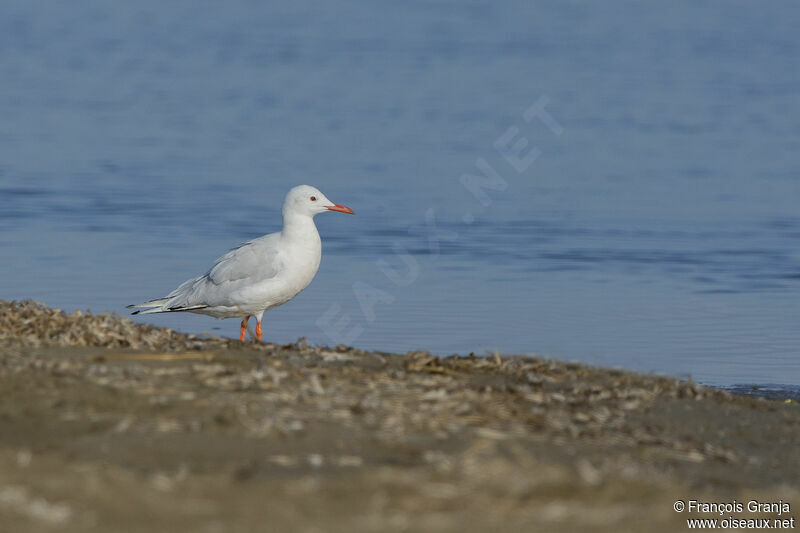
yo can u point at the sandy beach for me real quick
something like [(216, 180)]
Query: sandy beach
[(109, 425)]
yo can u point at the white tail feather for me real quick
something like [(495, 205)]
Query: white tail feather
[(152, 303), (152, 310)]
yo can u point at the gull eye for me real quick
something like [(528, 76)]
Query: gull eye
[(313, 198)]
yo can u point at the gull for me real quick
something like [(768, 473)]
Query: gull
[(259, 274)]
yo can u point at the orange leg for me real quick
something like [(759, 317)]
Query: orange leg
[(258, 329), (244, 328)]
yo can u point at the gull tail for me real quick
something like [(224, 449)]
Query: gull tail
[(153, 306), (157, 306)]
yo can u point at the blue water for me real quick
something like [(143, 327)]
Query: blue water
[(650, 219)]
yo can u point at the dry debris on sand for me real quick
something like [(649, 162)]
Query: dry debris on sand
[(108, 424), (33, 324)]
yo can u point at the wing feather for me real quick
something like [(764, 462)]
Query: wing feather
[(256, 259), (248, 264)]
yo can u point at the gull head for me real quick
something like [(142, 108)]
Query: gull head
[(309, 201)]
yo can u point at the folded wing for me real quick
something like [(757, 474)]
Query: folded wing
[(248, 264)]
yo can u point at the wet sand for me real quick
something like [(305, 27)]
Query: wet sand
[(109, 425)]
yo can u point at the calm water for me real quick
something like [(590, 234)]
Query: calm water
[(651, 221)]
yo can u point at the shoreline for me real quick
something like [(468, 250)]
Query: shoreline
[(111, 422), (769, 390)]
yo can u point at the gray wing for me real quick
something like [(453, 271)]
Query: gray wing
[(250, 263), (256, 259)]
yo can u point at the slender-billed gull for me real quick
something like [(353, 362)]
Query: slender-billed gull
[(259, 274)]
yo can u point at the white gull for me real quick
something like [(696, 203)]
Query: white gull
[(259, 274)]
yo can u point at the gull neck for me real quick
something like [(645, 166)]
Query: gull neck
[(298, 226)]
